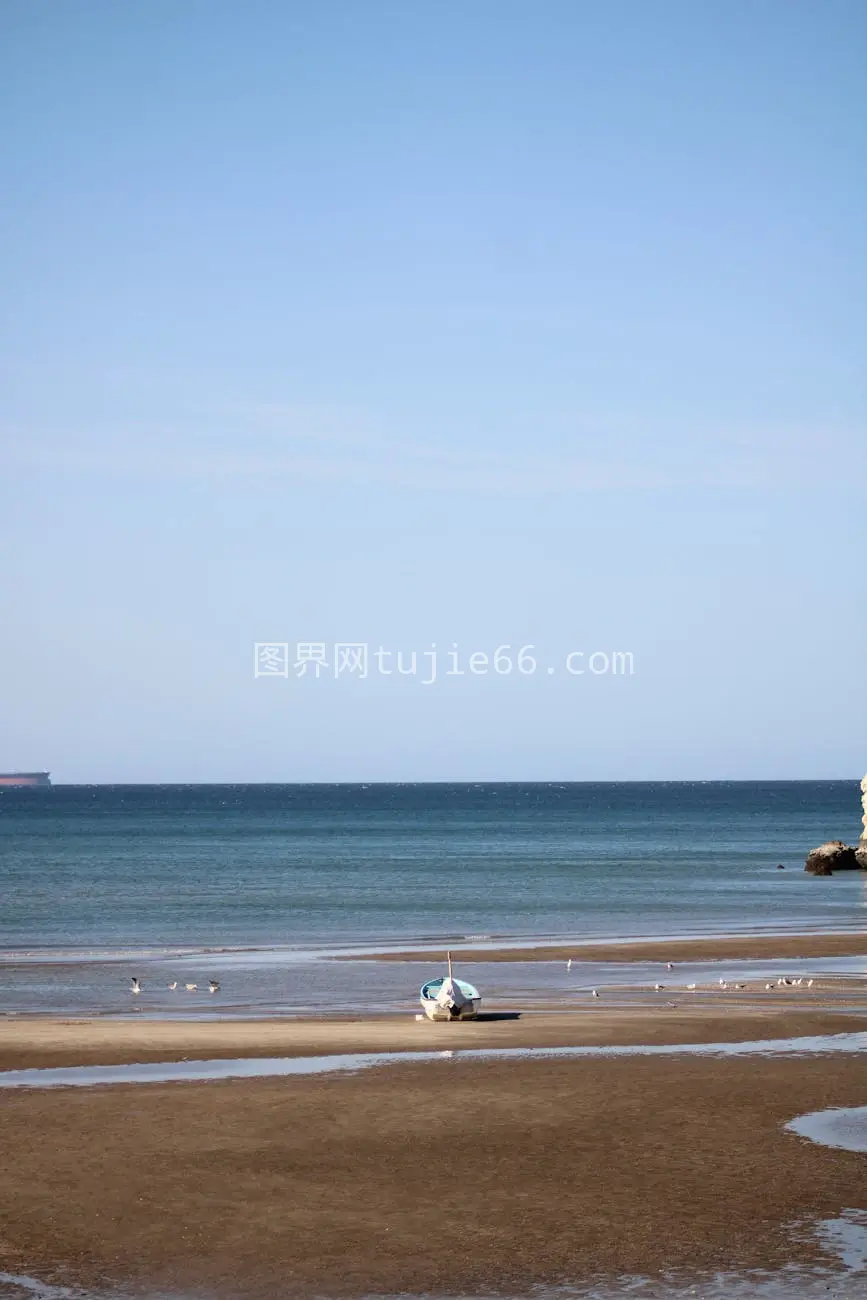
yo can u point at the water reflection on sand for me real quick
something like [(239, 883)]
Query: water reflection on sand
[(843, 1127), (200, 1071), (288, 983)]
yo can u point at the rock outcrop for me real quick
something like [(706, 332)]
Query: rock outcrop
[(834, 855), (830, 857)]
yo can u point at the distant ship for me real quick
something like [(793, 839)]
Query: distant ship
[(29, 780)]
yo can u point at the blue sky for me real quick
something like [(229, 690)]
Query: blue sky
[(429, 323)]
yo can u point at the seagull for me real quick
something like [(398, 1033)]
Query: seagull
[(659, 987), (134, 985), (809, 984), (691, 986), (800, 980), (722, 983), (213, 986), (768, 988), (191, 988), (669, 965), (569, 964), (594, 993), (173, 985)]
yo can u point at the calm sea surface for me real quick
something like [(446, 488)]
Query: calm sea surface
[(252, 871)]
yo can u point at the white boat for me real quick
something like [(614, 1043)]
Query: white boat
[(448, 998)]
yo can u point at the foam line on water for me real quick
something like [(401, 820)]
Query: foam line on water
[(200, 1071)]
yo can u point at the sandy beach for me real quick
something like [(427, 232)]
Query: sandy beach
[(536, 1171), (551, 1170)]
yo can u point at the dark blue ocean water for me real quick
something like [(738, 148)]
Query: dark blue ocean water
[(248, 866)]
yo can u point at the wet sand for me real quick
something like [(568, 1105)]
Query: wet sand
[(731, 948), (446, 1177), (449, 1177)]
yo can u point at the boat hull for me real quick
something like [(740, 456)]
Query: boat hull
[(435, 1011)]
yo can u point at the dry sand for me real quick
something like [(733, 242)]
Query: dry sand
[(27, 1042)]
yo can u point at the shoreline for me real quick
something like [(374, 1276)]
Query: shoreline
[(750, 943), (787, 947), (631, 978)]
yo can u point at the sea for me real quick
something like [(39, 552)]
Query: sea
[(261, 886)]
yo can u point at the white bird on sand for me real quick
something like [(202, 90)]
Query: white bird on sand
[(191, 988), (594, 993), (690, 986), (173, 985), (768, 988), (799, 980), (659, 987), (134, 985), (809, 984), (722, 982), (669, 965), (569, 964), (213, 986)]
